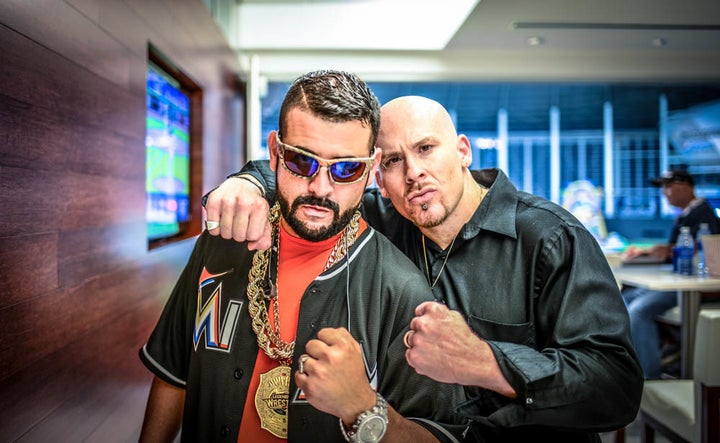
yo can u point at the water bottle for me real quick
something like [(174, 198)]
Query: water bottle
[(675, 255), (702, 270), (686, 251)]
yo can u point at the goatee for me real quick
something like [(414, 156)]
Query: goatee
[(317, 234)]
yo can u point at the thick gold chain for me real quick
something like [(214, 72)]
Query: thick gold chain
[(268, 337), (344, 242)]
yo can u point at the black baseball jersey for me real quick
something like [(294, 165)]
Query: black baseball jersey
[(204, 341)]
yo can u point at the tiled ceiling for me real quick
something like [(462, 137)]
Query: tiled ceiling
[(498, 40)]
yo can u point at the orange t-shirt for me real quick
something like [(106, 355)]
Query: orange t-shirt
[(299, 263)]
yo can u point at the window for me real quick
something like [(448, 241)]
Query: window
[(633, 150)]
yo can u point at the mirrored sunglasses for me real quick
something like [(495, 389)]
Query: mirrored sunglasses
[(303, 164)]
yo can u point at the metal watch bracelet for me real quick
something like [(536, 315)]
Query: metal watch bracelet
[(377, 414)]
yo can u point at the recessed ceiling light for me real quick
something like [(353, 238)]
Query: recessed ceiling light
[(535, 41)]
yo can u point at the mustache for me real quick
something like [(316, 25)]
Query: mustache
[(315, 201), (414, 186)]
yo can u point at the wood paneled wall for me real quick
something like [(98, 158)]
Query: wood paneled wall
[(79, 290)]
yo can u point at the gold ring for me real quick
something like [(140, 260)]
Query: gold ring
[(406, 339), (210, 225)]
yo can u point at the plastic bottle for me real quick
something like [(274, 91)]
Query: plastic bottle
[(675, 255), (686, 251), (702, 270)]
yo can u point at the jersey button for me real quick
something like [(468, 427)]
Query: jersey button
[(238, 374), (225, 431)]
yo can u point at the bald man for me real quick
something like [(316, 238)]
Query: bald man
[(528, 316)]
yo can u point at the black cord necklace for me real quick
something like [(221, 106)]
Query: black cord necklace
[(442, 268)]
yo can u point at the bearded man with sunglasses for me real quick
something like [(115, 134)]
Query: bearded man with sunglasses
[(303, 341)]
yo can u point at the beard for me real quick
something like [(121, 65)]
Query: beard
[(435, 215), (428, 219), (339, 222)]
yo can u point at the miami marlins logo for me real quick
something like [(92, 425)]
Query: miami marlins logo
[(218, 335)]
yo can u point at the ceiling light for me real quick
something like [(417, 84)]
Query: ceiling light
[(535, 41), (340, 24)]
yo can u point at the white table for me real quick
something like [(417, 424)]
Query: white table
[(661, 278)]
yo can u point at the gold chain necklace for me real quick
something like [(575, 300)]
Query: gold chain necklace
[(273, 391), (442, 268), (268, 337)]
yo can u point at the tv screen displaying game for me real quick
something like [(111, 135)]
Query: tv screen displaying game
[(167, 143)]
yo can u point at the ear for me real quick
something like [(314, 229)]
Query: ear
[(273, 150), (464, 150), (375, 167), (380, 182)]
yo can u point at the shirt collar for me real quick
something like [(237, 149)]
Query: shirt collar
[(692, 205), (496, 212)]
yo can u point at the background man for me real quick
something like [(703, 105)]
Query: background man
[(280, 344), (532, 322), (644, 305)]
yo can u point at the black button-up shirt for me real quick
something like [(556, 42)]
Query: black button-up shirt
[(532, 281)]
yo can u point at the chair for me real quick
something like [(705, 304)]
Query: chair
[(688, 410), (669, 326)]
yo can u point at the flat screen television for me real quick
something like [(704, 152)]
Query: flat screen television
[(167, 143)]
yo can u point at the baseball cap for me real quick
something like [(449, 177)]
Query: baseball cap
[(673, 176)]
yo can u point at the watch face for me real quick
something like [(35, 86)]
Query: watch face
[(372, 429)]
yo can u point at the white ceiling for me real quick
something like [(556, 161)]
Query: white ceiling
[(582, 40)]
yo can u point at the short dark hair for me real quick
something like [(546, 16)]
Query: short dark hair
[(335, 96)]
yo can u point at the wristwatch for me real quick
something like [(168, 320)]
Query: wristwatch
[(370, 426)]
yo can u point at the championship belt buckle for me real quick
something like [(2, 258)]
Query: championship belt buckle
[(271, 400)]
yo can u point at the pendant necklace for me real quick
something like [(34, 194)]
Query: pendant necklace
[(482, 191), (272, 395), (442, 268)]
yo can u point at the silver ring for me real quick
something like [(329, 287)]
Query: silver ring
[(406, 339), (210, 225), (301, 363)]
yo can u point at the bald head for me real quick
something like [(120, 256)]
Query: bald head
[(425, 167), (413, 113)]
